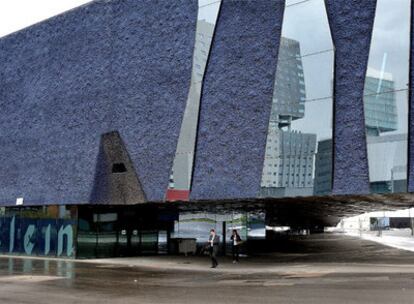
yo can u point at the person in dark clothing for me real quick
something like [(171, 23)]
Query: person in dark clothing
[(213, 244), (236, 241)]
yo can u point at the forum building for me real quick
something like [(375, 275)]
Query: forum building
[(127, 126)]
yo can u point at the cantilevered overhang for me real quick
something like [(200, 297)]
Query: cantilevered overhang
[(304, 211)]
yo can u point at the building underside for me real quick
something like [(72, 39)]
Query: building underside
[(88, 231), (303, 211)]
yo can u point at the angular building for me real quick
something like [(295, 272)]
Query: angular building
[(289, 158), (120, 118), (323, 168), (289, 101), (288, 166), (380, 104)]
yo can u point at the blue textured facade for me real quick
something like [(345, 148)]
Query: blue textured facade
[(109, 65), (351, 26), (55, 102), (411, 109), (236, 100), (125, 66)]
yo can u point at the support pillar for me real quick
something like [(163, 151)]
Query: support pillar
[(224, 237)]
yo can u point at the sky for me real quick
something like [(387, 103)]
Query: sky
[(18, 14), (390, 35)]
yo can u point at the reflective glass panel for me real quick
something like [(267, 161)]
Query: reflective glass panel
[(149, 242), (106, 233), (87, 237), (180, 178), (195, 225), (298, 157), (386, 97), (256, 227)]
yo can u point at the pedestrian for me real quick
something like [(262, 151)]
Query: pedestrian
[(236, 241), (213, 243)]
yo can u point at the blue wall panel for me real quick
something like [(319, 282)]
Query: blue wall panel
[(236, 100), (55, 105), (109, 65), (152, 57), (411, 108), (351, 25)]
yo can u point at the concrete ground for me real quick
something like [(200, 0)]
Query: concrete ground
[(397, 238), (318, 269)]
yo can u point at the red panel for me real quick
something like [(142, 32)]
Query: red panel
[(177, 195)]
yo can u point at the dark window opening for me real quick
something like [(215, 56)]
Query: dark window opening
[(119, 168)]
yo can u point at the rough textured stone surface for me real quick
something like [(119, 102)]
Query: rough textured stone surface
[(236, 100), (152, 57), (109, 65), (351, 24), (124, 65), (116, 180), (54, 105), (411, 107)]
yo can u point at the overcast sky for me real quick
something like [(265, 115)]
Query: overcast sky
[(390, 36), (18, 14)]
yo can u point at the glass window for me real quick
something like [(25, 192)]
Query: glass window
[(87, 233), (106, 233), (180, 178), (386, 97), (302, 105)]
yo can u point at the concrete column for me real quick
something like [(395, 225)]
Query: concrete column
[(224, 237), (412, 225)]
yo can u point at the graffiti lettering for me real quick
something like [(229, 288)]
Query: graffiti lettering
[(33, 237), (69, 240), (28, 243), (47, 240)]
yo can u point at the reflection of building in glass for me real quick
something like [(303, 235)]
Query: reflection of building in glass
[(289, 163), (379, 104), (289, 158), (181, 173), (289, 99), (387, 165), (385, 109), (388, 169), (197, 225), (323, 168), (202, 44)]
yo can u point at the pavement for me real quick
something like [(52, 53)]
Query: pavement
[(397, 238), (325, 268)]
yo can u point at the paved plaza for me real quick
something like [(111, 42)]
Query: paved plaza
[(325, 268)]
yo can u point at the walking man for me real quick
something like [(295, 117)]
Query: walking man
[(214, 242)]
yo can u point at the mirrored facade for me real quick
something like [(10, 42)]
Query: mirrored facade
[(112, 231), (180, 178), (196, 225), (298, 156), (386, 97)]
